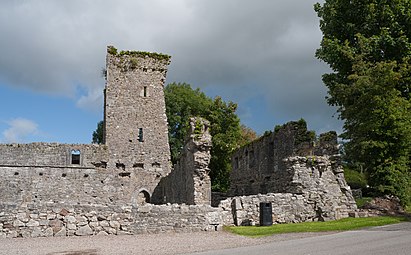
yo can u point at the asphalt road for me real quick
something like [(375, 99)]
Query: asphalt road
[(392, 239)]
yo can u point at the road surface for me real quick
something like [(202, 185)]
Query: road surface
[(392, 239)]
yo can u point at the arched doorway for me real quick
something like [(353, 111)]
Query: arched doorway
[(143, 197)]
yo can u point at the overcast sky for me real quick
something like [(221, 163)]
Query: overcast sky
[(259, 54)]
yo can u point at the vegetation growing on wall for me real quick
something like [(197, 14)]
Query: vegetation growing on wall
[(303, 135), (113, 51)]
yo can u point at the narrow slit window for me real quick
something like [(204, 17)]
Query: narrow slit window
[(140, 135), (75, 157), (145, 91), (236, 162), (251, 160)]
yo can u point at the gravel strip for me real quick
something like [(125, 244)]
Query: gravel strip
[(159, 244)]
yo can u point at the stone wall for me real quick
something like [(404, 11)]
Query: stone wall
[(176, 218), (321, 180), (260, 167), (286, 208), (53, 155), (316, 191), (189, 181), (50, 189), (22, 185), (45, 172), (52, 219), (133, 159)]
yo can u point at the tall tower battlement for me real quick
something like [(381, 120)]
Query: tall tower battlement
[(135, 129)]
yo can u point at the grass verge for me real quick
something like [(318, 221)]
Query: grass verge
[(337, 225)]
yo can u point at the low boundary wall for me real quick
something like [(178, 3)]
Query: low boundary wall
[(78, 220)]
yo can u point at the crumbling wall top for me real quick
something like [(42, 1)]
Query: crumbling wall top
[(259, 166), (111, 50)]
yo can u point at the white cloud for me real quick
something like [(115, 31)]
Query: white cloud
[(92, 101), (19, 130), (260, 47)]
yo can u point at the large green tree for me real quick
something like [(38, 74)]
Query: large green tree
[(367, 44), (183, 102)]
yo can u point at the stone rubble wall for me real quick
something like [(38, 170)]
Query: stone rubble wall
[(71, 185), (286, 208), (112, 188), (260, 167), (189, 182), (321, 180), (83, 220), (317, 191), (52, 154), (175, 218)]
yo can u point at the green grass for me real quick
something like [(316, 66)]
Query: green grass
[(337, 225), (361, 201)]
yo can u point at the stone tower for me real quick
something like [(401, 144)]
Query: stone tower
[(135, 130)]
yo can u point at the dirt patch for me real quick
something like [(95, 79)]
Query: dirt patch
[(387, 205)]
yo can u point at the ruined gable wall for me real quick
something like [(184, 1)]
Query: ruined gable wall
[(259, 167), (287, 162), (189, 181), (317, 192), (321, 180)]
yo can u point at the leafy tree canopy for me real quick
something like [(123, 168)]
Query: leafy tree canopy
[(98, 133), (367, 44), (183, 102)]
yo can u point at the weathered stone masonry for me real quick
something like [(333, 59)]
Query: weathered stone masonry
[(126, 185), (99, 205), (189, 181), (136, 131), (126, 169), (51, 189), (53, 219), (304, 181)]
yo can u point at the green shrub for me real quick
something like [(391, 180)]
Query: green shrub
[(355, 179), (362, 201)]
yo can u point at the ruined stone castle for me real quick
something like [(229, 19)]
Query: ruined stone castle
[(127, 184)]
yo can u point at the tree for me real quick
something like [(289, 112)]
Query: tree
[(182, 102), (226, 134), (367, 44), (98, 133), (247, 135)]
